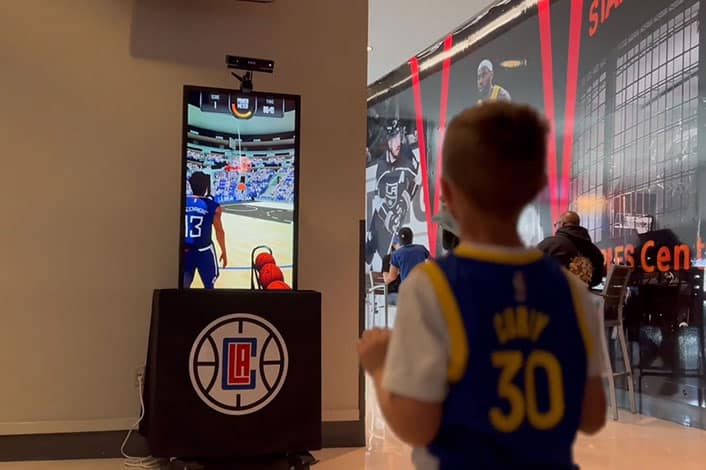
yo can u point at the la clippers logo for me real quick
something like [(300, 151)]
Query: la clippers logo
[(238, 364)]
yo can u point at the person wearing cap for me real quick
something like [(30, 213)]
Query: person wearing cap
[(449, 228), (406, 257), (488, 90)]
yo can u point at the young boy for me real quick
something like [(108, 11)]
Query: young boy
[(494, 361)]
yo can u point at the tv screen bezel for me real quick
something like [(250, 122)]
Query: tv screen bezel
[(182, 195)]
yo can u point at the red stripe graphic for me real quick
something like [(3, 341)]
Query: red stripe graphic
[(443, 106), (414, 65), (545, 41), (572, 75)]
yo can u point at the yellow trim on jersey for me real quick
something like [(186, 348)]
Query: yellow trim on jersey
[(518, 257), (454, 321), (580, 314), (496, 91)]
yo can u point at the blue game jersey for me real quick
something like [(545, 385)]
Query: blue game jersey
[(200, 212), (518, 364)]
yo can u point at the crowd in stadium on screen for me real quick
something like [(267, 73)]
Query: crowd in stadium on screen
[(264, 179)]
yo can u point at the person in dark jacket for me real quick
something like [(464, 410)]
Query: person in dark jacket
[(571, 241)]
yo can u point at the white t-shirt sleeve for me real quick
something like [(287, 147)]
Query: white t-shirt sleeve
[(592, 306), (417, 358)]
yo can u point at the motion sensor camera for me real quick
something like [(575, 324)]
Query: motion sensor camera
[(249, 65)]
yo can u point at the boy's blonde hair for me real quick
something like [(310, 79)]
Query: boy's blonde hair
[(495, 154)]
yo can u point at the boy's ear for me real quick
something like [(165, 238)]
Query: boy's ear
[(445, 191), (449, 195)]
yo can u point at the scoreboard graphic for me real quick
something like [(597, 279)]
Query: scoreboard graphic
[(242, 105)]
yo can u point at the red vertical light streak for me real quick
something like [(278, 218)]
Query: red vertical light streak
[(572, 76), (545, 41), (443, 107), (421, 139)]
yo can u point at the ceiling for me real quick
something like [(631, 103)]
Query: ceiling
[(398, 29)]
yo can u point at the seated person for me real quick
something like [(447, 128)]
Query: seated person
[(571, 241), (394, 286), (406, 257)]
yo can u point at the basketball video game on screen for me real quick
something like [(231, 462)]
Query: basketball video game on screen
[(203, 215)]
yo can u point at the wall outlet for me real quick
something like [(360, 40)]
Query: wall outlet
[(139, 375)]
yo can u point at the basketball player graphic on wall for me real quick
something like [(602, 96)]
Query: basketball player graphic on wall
[(396, 183), (489, 91), (529, 225)]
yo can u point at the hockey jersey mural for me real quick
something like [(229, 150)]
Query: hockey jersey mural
[(621, 83)]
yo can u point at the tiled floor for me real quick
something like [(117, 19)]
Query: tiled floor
[(634, 443)]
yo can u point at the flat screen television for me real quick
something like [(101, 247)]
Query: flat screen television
[(240, 181)]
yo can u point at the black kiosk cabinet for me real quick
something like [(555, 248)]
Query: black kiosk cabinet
[(233, 376)]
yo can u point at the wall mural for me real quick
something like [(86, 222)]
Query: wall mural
[(619, 81)]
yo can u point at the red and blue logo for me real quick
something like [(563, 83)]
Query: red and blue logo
[(238, 353), (238, 364)]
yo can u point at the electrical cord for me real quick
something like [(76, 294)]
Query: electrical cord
[(138, 462)]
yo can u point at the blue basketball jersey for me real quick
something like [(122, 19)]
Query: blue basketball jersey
[(200, 212), (518, 361)]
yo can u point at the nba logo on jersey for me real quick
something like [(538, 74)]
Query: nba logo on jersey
[(239, 353), (238, 364)]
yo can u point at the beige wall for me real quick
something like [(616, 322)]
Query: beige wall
[(90, 121)]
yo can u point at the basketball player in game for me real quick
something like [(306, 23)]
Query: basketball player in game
[(529, 223), (495, 358), (397, 183), (488, 90), (202, 215)]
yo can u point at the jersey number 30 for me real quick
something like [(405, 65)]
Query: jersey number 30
[(523, 403)]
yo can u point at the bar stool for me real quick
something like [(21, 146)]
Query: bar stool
[(377, 287), (614, 293)]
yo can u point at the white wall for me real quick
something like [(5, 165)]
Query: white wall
[(90, 136), (399, 29)]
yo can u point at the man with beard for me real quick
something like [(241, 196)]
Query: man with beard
[(486, 88), (396, 184)]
